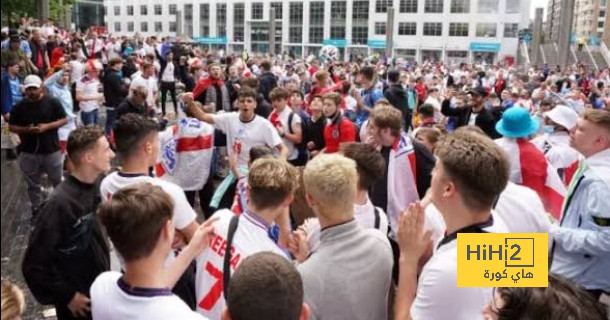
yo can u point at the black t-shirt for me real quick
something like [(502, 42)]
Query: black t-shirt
[(27, 113)]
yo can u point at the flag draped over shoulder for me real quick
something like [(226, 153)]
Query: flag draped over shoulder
[(530, 168)]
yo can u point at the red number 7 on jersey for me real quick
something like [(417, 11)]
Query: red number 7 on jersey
[(210, 299)]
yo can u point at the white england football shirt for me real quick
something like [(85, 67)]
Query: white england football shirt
[(113, 299), (283, 117), (250, 237), (88, 87), (183, 216), (242, 136)]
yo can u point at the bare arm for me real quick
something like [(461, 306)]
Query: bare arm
[(296, 136), (200, 238), (195, 111), (281, 148)]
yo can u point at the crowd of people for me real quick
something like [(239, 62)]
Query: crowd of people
[(287, 188)]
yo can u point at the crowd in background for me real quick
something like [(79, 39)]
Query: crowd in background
[(357, 176)]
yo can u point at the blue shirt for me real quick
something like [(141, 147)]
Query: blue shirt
[(582, 241), (61, 93), (24, 45), (370, 97), (15, 89)]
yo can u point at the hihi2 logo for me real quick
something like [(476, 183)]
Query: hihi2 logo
[(502, 260)]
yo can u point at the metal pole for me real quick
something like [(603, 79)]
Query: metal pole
[(272, 31), (389, 33)]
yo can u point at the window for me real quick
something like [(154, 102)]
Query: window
[(221, 20), (204, 11), (130, 10), (408, 6), (487, 30), (600, 24), (337, 32), (513, 6), (511, 30), (295, 34), (602, 13), (188, 12), (278, 10), (407, 28), (434, 29), (117, 27), (130, 27), (316, 13), (117, 10), (316, 34), (338, 11), (361, 10), (257, 11), (204, 31), (458, 29), (173, 8), (460, 6), (143, 10), (360, 35), (158, 10), (144, 26), (381, 6), (158, 27), (488, 6), (260, 32), (433, 6), (380, 28), (239, 17), (296, 12), (172, 26)]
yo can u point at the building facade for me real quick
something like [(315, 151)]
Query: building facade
[(553, 19), (453, 31), (589, 18), (88, 13)]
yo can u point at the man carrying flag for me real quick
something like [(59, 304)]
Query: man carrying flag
[(581, 242), (529, 167)]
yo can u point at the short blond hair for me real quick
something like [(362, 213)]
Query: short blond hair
[(331, 180), (271, 181), (13, 303), (600, 118), (386, 116)]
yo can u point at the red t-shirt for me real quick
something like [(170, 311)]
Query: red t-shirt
[(421, 92), (334, 135)]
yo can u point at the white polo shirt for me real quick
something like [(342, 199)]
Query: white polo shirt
[(242, 136), (113, 299), (250, 237), (439, 297)]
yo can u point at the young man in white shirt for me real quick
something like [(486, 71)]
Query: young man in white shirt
[(244, 129), (137, 143), (88, 93), (470, 174), (286, 122), (147, 80), (138, 220), (271, 186)]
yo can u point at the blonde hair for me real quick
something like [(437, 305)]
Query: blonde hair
[(600, 118), (321, 75), (331, 180), (13, 303), (271, 181)]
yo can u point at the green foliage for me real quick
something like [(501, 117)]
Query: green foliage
[(12, 10)]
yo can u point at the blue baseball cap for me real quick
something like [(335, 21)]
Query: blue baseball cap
[(517, 122)]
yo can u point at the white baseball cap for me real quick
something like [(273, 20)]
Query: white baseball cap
[(32, 81), (564, 116)]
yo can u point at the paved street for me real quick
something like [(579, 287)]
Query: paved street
[(15, 230)]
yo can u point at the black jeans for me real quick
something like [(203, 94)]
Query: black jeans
[(205, 197), (171, 87)]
